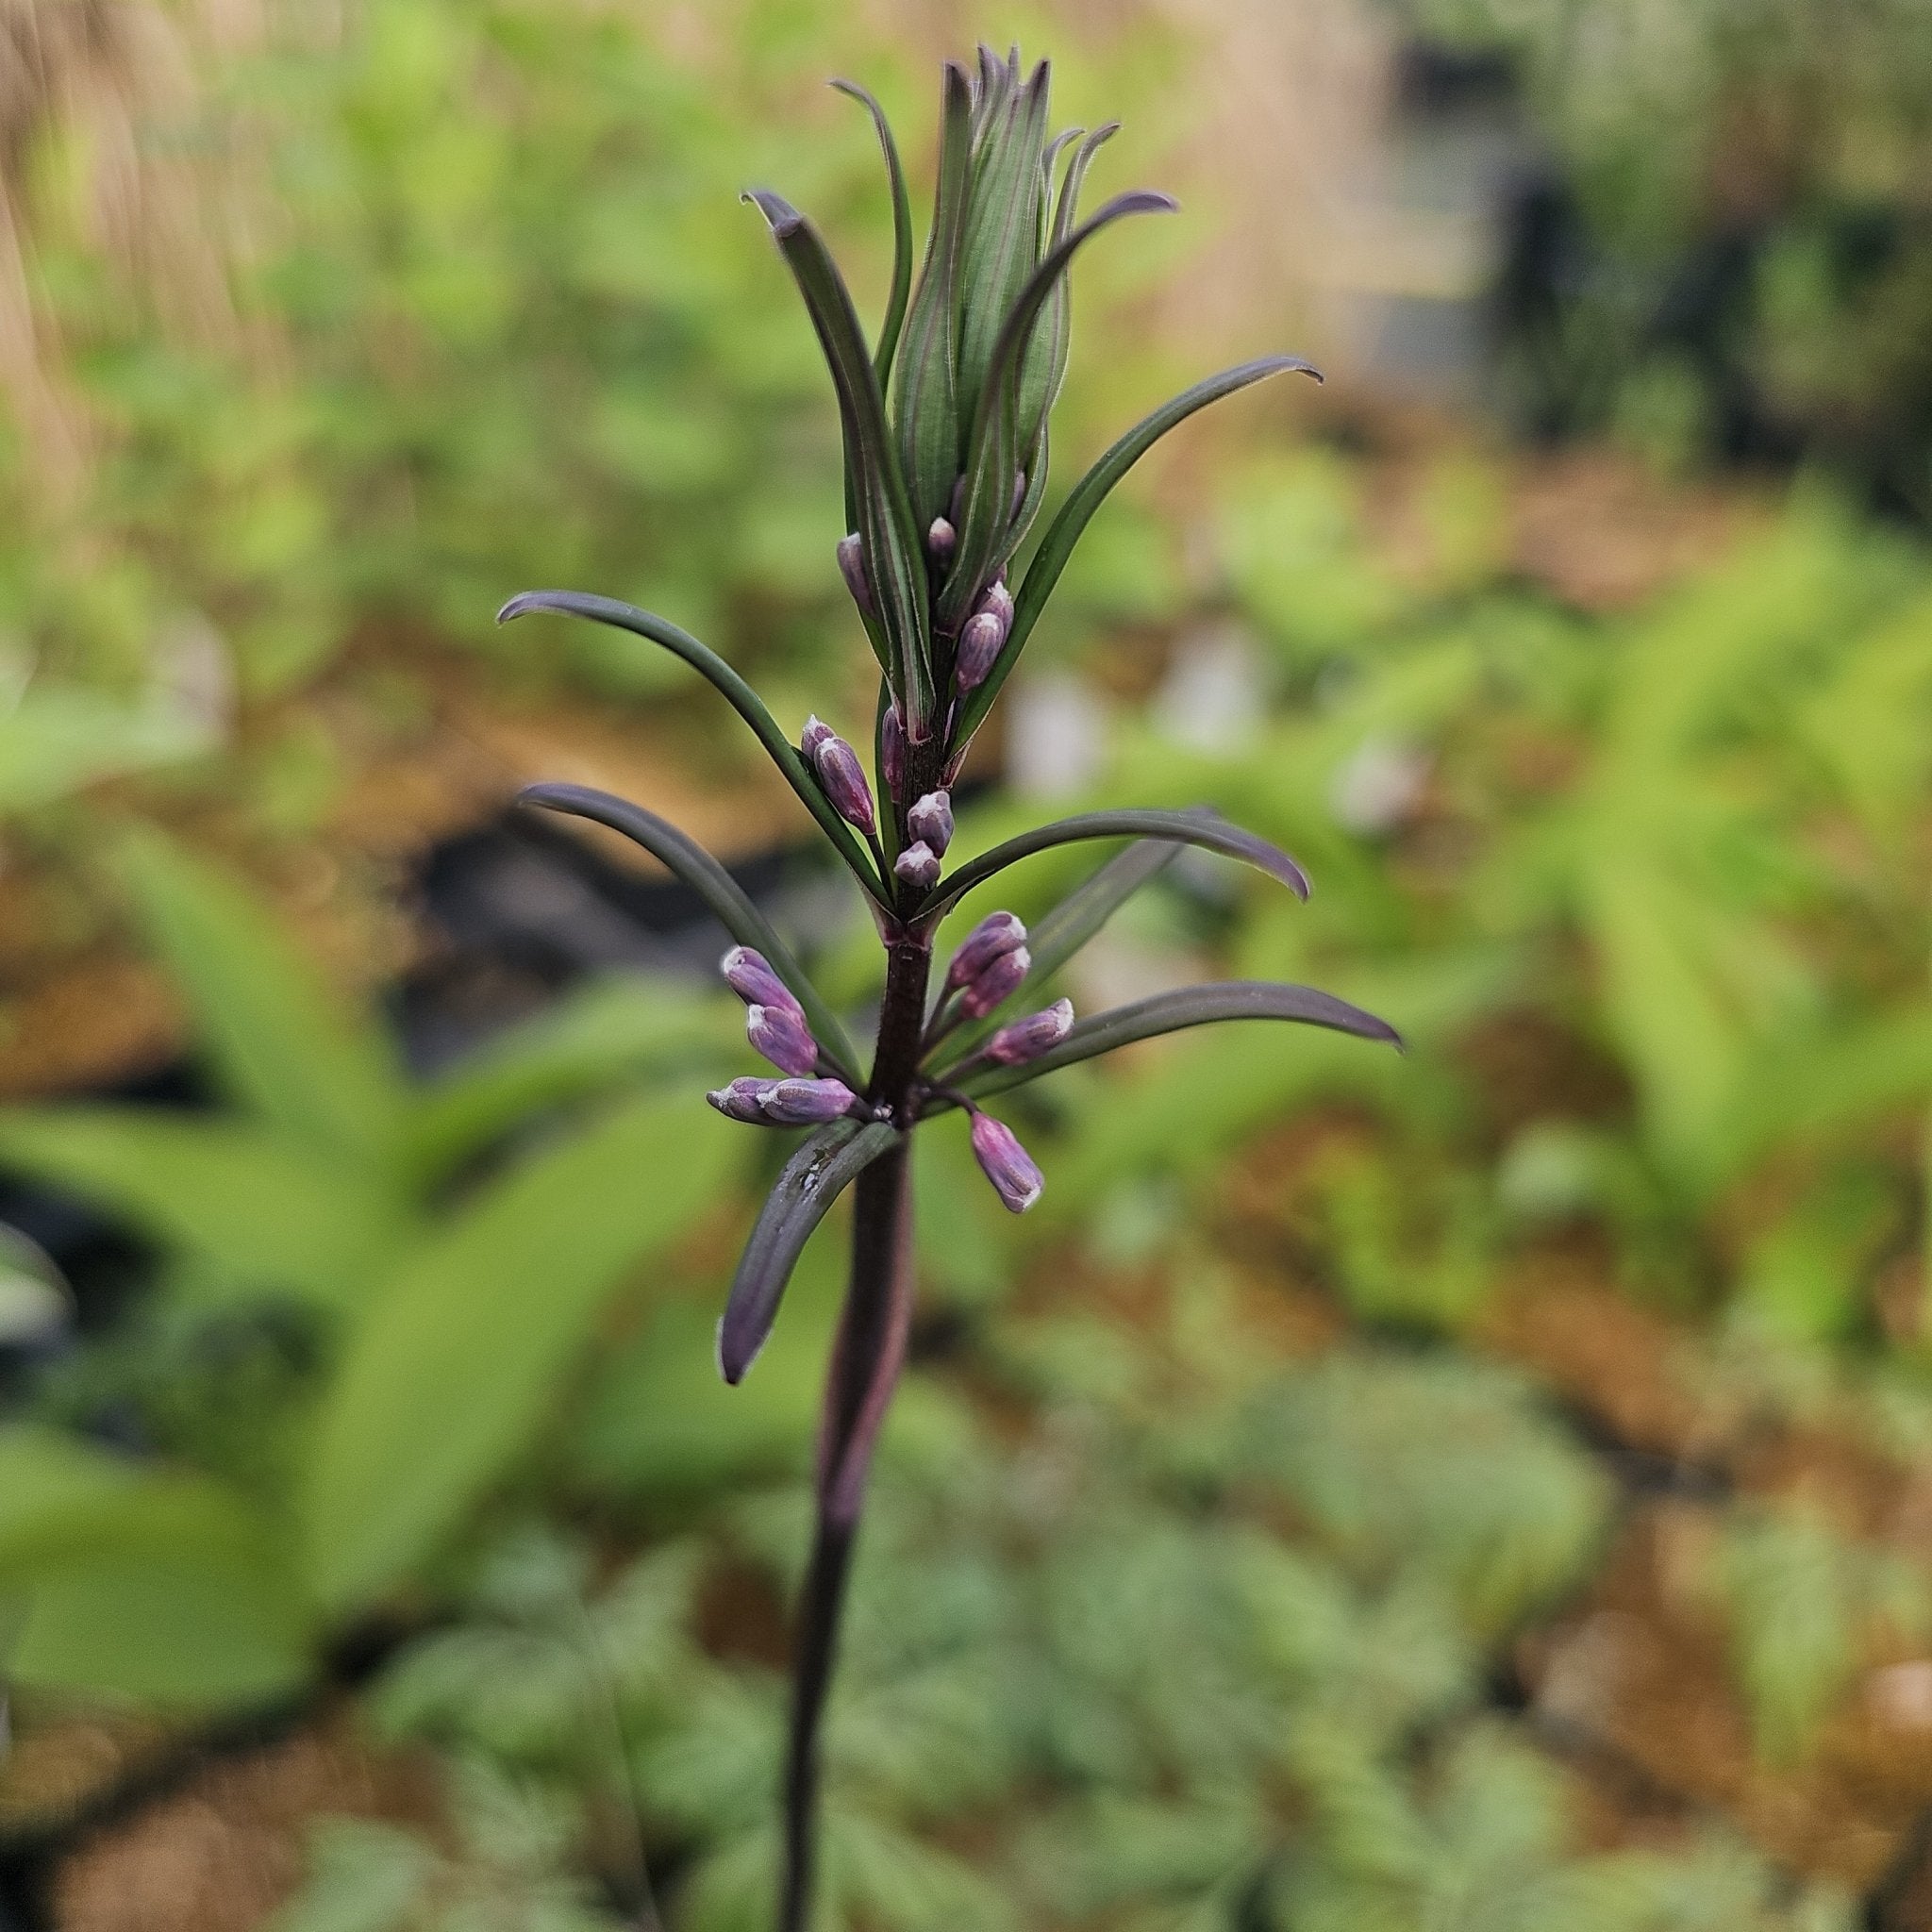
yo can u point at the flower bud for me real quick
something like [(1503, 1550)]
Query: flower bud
[(841, 775), (783, 1039), (1000, 978), (998, 933), (998, 602), (979, 646), (892, 750), (852, 568), (805, 1102), (740, 1100), (1027, 1040), (816, 733), (1019, 494), (749, 975), (1005, 1163), (942, 539), (918, 865), (931, 819)]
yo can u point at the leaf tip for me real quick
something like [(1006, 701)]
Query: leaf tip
[(783, 219)]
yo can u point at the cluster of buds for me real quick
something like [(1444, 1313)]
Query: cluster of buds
[(775, 1024), (929, 822), (983, 636)]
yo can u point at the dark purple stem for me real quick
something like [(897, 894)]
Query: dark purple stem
[(866, 1361)]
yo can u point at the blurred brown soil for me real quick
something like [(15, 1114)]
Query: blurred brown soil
[(225, 1850)]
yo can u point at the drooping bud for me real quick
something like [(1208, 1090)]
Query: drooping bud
[(805, 1102), (841, 775), (749, 975), (1027, 1040), (852, 568), (893, 751), (942, 539), (931, 819), (998, 933), (918, 866), (1005, 1163), (741, 1100), (986, 990), (979, 647), (783, 1039)]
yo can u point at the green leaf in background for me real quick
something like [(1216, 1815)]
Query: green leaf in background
[(281, 1042), (165, 1587), (454, 1366), (54, 742), (269, 1216)]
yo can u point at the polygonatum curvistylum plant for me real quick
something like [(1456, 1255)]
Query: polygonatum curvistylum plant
[(944, 418)]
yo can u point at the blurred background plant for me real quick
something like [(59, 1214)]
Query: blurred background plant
[(1482, 1490)]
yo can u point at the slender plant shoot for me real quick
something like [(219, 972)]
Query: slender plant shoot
[(944, 414)]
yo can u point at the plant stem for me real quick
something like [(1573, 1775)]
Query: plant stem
[(866, 1361)]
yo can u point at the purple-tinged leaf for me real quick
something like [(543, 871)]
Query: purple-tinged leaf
[(1200, 828), (737, 693), (1187, 1006), (1092, 491), (812, 1179), (695, 867)]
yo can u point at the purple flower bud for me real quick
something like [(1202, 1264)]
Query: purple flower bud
[(1027, 1040), (998, 602), (931, 819), (1005, 1163), (918, 865), (979, 646), (941, 539), (1019, 494), (892, 750), (749, 975), (741, 1100), (783, 1039), (805, 1102), (852, 568), (989, 987), (998, 933), (841, 775), (816, 732)]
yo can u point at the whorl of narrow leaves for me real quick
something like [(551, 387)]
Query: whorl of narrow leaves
[(945, 416)]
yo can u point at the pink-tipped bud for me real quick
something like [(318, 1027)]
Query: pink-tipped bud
[(749, 975), (783, 1039), (942, 539), (852, 568), (998, 933), (1005, 1163), (931, 819), (841, 777), (805, 1102), (742, 1100), (918, 866), (1027, 1040), (999, 980), (998, 602), (979, 649), (893, 751)]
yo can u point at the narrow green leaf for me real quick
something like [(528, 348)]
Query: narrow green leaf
[(282, 1042), (894, 552), (136, 1583), (992, 448), (601, 1035), (1058, 545), (721, 892), (449, 1376), (1045, 364), (1201, 827), (902, 234), (928, 416), (812, 1179), (269, 1215), (1187, 1006), (736, 692)]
